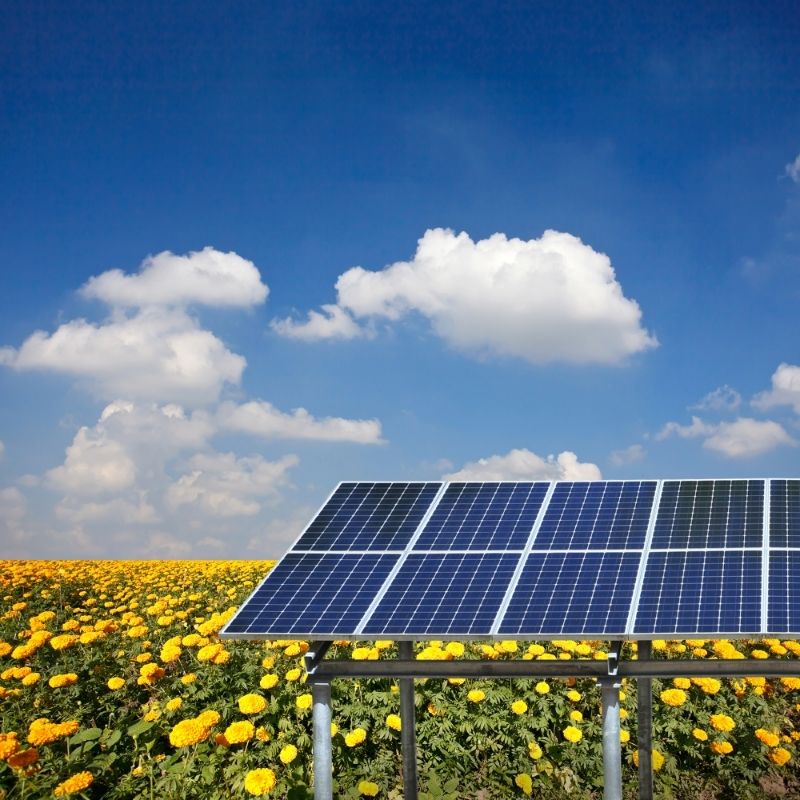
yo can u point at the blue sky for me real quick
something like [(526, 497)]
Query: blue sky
[(189, 190)]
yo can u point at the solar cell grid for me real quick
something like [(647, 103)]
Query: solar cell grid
[(710, 514), (784, 513), (701, 591), (313, 593), (369, 516), (483, 516), (597, 515), (576, 593), (444, 594), (783, 607)]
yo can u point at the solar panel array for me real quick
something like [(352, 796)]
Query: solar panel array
[(538, 559)]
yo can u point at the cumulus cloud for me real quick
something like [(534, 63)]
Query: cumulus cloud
[(543, 300), (741, 438), (785, 389), (333, 322), (225, 486), (119, 511), (260, 418), (793, 169), (627, 455), (524, 465), (724, 398), (13, 509), (208, 277)]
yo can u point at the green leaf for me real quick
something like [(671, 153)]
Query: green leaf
[(138, 728), (86, 735)]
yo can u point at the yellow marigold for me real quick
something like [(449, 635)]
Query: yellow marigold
[(572, 734), (188, 732), (534, 751), (779, 756), (394, 722), (143, 658), (368, 789), (722, 722), (542, 687), (259, 782), (757, 653), (240, 732), (721, 748), (700, 735), (454, 649), (24, 758), (262, 734), (223, 657), (174, 704), (304, 701), (208, 652), (574, 695), (209, 718), (356, 737), (9, 744), (791, 683), (115, 683), (334, 729), (524, 782), (59, 681), (269, 681), (656, 759), (293, 674), (188, 678), (673, 697), (63, 642), (583, 649), (769, 738), (681, 683), (476, 695), (361, 653), (170, 653), (31, 678), (5, 649), (624, 736), (576, 716), (77, 783), (252, 704), (519, 706), (708, 685), (288, 754)]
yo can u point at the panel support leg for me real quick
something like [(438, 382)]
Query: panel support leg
[(408, 733), (323, 759), (612, 748), (644, 702)]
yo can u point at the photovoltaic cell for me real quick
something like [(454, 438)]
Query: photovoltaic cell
[(369, 516), (701, 591), (783, 605), (444, 593), (576, 593), (784, 514), (314, 593), (710, 514), (598, 515), (483, 516)]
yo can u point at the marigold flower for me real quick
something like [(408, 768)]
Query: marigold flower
[(209, 718), (293, 674), (23, 758), (259, 782), (59, 681), (576, 716), (9, 744), (656, 759), (700, 735), (681, 683), (188, 732), (708, 685), (394, 722), (534, 751), (572, 734), (476, 695), (673, 697), (574, 695), (769, 738), (454, 649), (519, 706), (63, 642), (624, 736), (252, 704), (115, 683), (368, 789), (31, 678), (269, 681), (779, 756), (77, 783), (304, 701), (188, 678), (288, 754), (721, 748), (174, 704), (356, 737), (542, 687), (524, 782), (722, 722), (239, 732)]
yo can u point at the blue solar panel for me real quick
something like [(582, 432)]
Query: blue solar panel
[(483, 516), (575, 593), (444, 594), (701, 591), (783, 605), (313, 593), (784, 514), (602, 515), (710, 514), (369, 516)]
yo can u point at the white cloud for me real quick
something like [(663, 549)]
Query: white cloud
[(524, 465), (260, 418), (13, 505), (118, 511), (208, 277), (627, 455), (544, 300), (333, 323), (742, 438), (157, 354), (785, 389), (222, 485), (793, 169), (724, 398)]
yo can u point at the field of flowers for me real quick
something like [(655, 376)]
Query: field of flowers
[(113, 684)]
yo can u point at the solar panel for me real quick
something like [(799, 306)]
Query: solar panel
[(444, 594), (784, 512), (784, 599), (483, 516), (604, 515), (369, 516)]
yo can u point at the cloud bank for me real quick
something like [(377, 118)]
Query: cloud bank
[(523, 465)]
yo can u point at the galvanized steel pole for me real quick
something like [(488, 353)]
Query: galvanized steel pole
[(612, 747), (323, 759), (408, 734), (644, 713)]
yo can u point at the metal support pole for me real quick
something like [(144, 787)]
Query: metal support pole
[(323, 759), (612, 748), (644, 712), (408, 734)]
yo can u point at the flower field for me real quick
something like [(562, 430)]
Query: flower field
[(113, 684)]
